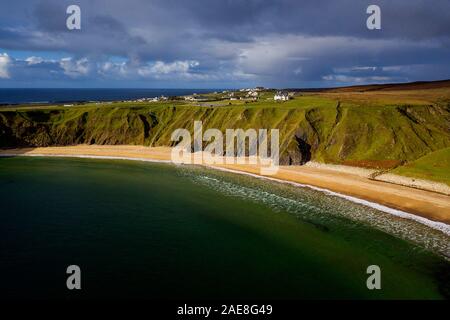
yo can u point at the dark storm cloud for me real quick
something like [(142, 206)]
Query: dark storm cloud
[(283, 42), (47, 16)]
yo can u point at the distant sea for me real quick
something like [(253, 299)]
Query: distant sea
[(19, 96)]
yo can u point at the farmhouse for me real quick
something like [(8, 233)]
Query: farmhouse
[(281, 96), (189, 98), (252, 95)]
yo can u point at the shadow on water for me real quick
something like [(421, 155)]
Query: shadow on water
[(442, 274)]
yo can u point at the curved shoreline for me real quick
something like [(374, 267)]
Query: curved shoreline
[(162, 155), (443, 227)]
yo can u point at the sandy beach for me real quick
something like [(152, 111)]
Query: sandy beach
[(430, 205)]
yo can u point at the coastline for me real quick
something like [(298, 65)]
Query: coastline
[(426, 207), (441, 226), (374, 174)]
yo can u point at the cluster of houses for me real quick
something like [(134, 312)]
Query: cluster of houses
[(249, 94), (279, 95), (191, 98), (195, 97), (243, 94), (155, 99), (282, 96), (253, 93), (252, 89)]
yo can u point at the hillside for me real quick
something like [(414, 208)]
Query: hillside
[(434, 166), (419, 85), (362, 131)]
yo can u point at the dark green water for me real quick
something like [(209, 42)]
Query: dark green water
[(160, 231)]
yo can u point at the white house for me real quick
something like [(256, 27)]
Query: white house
[(281, 96), (252, 94)]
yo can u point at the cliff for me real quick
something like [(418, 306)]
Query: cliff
[(379, 136)]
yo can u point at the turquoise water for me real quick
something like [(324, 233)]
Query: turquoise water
[(160, 231)]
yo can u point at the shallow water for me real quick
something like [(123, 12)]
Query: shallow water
[(156, 230)]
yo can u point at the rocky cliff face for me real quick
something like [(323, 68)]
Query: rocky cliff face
[(372, 136)]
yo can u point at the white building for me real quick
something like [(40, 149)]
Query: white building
[(281, 96)]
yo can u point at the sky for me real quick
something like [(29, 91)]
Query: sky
[(221, 43)]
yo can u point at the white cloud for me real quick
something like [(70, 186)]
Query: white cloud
[(394, 68), (355, 69), (75, 68), (281, 55), (34, 60), (298, 70), (5, 61), (351, 79), (162, 68), (109, 68)]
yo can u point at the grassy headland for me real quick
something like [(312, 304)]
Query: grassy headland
[(434, 166), (383, 128)]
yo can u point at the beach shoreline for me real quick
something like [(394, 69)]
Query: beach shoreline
[(427, 207)]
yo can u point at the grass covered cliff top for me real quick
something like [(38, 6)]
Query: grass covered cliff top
[(385, 127)]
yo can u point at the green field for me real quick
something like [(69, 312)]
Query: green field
[(434, 166), (376, 130)]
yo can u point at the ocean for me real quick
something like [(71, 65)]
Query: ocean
[(154, 230), (21, 96)]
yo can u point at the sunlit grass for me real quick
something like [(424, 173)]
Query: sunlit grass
[(372, 128), (434, 166)]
